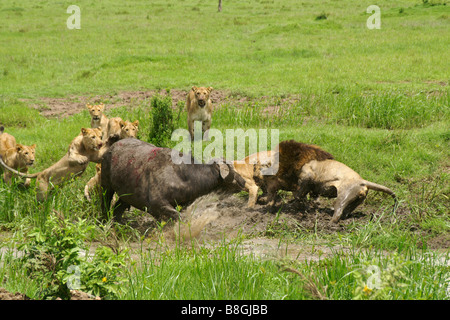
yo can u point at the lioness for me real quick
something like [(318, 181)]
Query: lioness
[(122, 129), (15, 155), (87, 146), (333, 179), (98, 118), (250, 171), (199, 108), (93, 185)]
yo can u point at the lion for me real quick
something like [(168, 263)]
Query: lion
[(86, 147), (290, 157), (98, 118), (199, 108), (93, 185), (333, 179), (250, 170), (16, 155), (120, 128)]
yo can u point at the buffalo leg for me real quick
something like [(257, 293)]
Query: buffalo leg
[(119, 209), (169, 212), (165, 211)]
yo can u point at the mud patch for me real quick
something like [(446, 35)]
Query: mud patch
[(219, 216)]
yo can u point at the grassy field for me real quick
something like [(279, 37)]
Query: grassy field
[(378, 100)]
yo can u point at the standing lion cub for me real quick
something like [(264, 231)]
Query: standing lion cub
[(98, 118), (199, 108)]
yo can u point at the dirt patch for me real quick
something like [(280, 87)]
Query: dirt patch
[(6, 295), (438, 242), (65, 107), (68, 106)]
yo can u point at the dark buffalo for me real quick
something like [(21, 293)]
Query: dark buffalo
[(145, 177)]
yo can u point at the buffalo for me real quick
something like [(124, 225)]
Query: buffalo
[(145, 176)]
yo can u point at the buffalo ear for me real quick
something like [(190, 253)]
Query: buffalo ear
[(226, 172)]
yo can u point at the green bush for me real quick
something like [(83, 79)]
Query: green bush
[(57, 257), (162, 122)]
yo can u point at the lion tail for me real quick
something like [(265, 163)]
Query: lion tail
[(4, 165), (379, 187), (2, 129)]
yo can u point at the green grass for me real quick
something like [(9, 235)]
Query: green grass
[(378, 100), (224, 273), (273, 48)]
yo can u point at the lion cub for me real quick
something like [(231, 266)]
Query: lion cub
[(93, 185), (250, 170), (87, 146), (15, 155), (120, 128), (199, 108), (98, 118)]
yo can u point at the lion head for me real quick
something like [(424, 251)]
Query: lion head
[(128, 129), (92, 138), (202, 95), (96, 111), (25, 154)]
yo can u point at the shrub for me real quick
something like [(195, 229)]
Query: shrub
[(162, 124), (56, 256)]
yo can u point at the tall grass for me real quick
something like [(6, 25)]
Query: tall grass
[(201, 273)]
